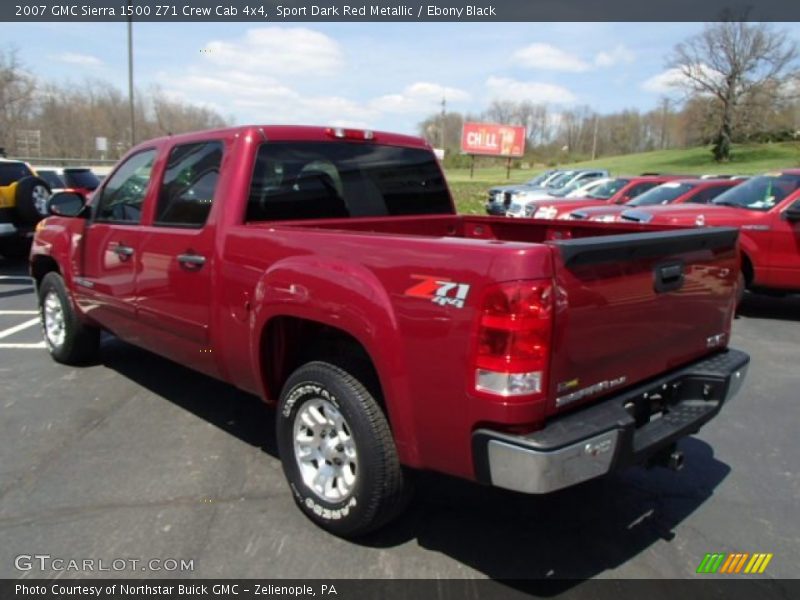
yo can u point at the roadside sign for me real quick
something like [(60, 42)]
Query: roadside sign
[(493, 140)]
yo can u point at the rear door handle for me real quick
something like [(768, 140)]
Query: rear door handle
[(193, 261), (124, 252)]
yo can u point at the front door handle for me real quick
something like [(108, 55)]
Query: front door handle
[(193, 261), (124, 252)]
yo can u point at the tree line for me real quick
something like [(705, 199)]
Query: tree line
[(735, 82), (63, 120)]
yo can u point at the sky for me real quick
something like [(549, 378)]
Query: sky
[(385, 76)]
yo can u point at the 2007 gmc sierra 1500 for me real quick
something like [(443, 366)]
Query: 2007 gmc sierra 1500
[(327, 271)]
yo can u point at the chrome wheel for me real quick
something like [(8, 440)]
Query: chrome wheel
[(53, 314), (40, 197), (325, 451)]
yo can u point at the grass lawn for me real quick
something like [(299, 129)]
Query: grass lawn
[(470, 194)]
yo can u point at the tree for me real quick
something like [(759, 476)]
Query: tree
[(731, 61), (17, 89)]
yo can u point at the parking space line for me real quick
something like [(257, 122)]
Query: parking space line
[(33, 345), (12, 330), (19, 312)]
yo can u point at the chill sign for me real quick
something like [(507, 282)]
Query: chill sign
[(493, 140)]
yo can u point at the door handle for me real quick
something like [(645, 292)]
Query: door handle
[(193, 261), (124, 252)]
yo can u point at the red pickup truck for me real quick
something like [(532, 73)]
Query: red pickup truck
[(766, 209), (680, 191), (327, 271)]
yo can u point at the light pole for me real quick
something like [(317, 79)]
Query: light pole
[(130, 74)]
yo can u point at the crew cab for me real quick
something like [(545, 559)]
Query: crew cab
[(693, 191), (618, 190), (766, 209), (326, 270)]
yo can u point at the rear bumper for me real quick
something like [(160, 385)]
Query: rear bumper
[(624, 430)]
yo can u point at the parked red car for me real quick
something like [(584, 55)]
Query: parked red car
[(617, 191), (680, 191), (767, 211), (327, 271)]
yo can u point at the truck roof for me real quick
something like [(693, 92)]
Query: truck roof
[(293, 133)]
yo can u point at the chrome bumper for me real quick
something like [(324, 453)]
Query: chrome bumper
[(612, 434)]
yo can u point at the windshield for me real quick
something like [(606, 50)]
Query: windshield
[(538, 180), (570, 188), (13, 171), (663, 194), (81, 178), (561, 180), (608, 189), (760, 193)]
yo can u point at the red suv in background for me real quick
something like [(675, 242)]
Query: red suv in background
[(617, 191), (694, 191)]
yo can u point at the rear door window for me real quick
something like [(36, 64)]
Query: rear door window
[(189, 184)]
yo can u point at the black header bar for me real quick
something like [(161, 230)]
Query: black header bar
[(272, 11)]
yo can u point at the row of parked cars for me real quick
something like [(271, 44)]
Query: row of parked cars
[(765, 208), (24, 195)]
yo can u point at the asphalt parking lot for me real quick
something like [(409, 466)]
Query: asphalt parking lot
[(138, 457)]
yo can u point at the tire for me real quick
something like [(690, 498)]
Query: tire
[(359, 480), (67, 339), (31, 197), (15, 247)]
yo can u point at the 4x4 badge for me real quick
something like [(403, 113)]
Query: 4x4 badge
[(440, 291)]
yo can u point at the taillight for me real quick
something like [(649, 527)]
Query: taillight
[(513, 339)]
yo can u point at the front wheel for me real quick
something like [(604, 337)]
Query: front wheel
[(68, 340), (337, 451)]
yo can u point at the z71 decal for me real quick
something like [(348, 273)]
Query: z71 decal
[(440, 291)]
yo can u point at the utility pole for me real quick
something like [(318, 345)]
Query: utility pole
[(441, 129), (130, 75), (594, 138)]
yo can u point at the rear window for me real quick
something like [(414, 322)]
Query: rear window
[(81, 178), (11, 172), (323, 180), (663, 194)]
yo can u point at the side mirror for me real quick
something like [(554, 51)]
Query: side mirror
[(66, 204), (792, 213)]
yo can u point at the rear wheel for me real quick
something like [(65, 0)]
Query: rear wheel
[(31, 197), (67, 339), (337, 451)]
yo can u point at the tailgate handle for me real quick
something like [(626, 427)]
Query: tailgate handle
[(668, 278)]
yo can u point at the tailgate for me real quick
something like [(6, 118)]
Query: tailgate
[(633, 306)]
